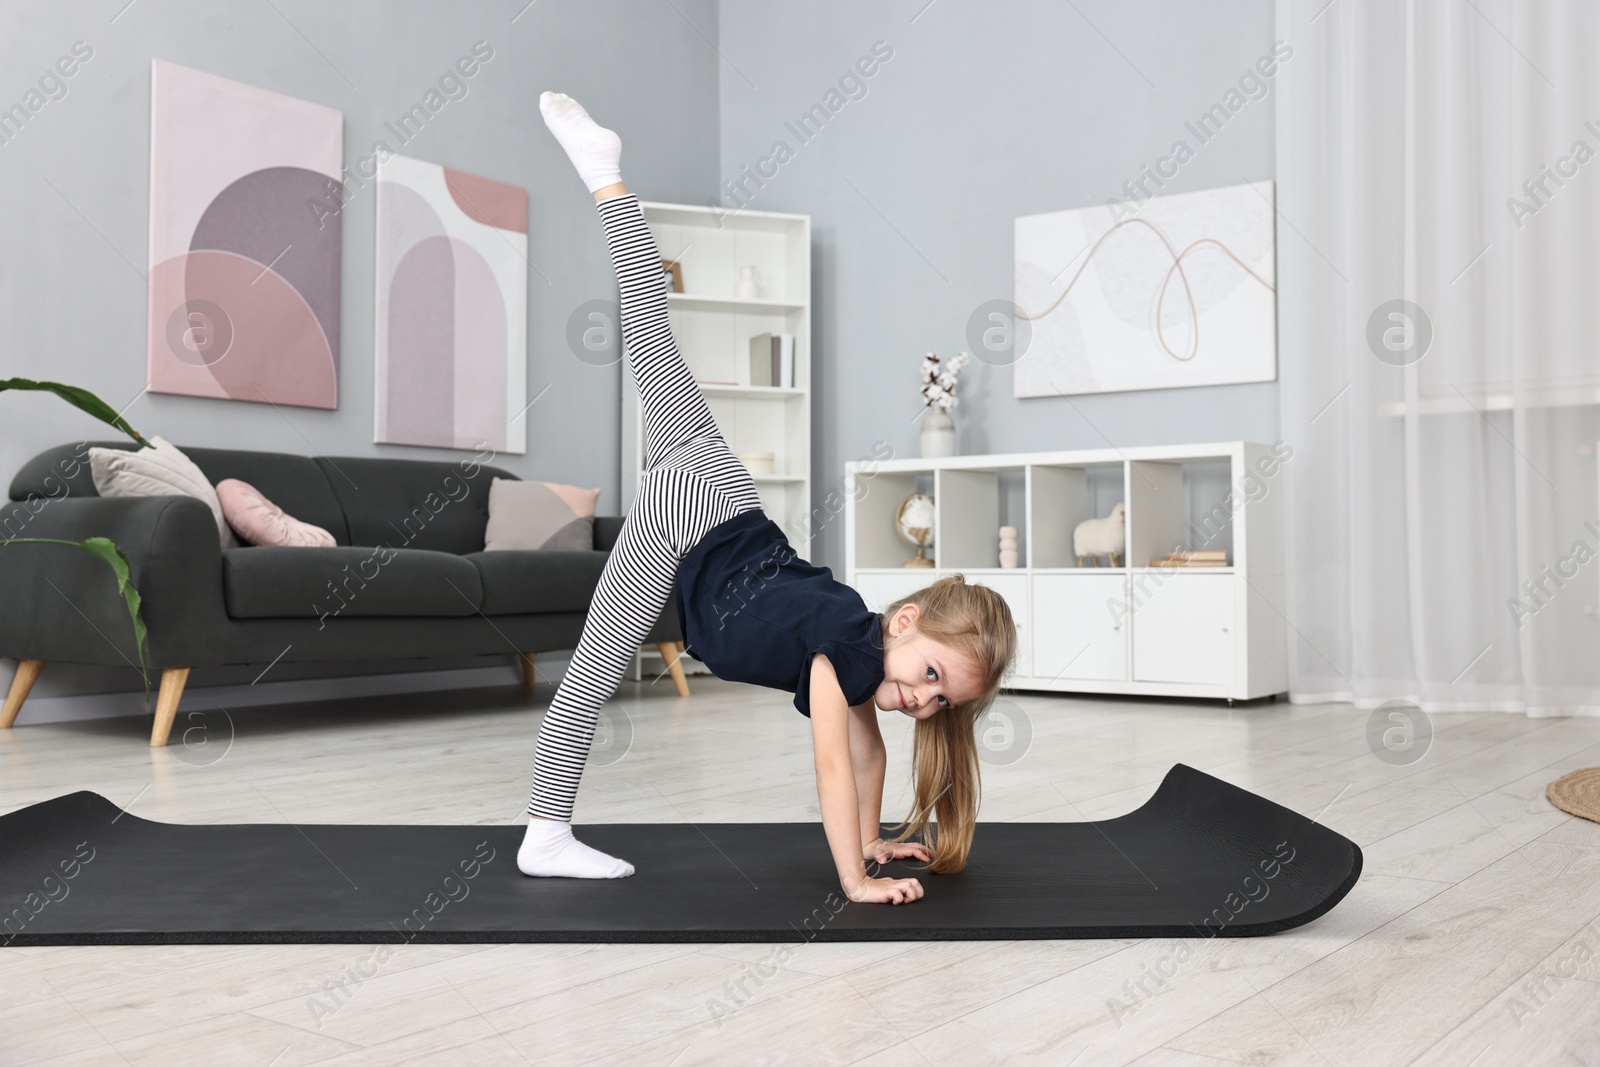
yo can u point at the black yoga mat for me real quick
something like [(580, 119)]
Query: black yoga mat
[(1202, 858)]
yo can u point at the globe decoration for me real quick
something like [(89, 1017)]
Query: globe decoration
[(913, 520)]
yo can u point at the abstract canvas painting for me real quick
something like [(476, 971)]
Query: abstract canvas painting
[(1169, 291), (243, 288), (452, 297)]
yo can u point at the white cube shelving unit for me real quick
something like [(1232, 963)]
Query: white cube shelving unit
[(713, 329), (1135, 629)]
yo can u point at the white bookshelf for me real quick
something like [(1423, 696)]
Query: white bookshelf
[(713, 329), (1135, 629)]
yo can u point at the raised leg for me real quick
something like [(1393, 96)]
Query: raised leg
[(672, 652), (173, 679), (678, 422), (675, 410), (21, 684)]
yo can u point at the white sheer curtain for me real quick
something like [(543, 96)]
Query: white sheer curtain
[(1443, 528)]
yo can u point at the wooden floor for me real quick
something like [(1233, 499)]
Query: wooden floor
[(1473, 936)]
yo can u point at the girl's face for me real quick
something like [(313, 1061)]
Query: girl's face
[(922, 676)]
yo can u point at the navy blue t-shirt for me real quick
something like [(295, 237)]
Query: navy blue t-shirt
[(753, 611)]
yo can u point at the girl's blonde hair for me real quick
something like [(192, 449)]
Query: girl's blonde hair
[(944, 756)]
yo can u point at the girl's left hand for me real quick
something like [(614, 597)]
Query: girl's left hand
[(881, 852)]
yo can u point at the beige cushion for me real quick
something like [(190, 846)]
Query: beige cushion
[(160, 470), (539, 515)]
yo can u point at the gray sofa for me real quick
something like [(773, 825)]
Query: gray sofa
[(408, 577)]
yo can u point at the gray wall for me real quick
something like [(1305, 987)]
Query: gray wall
[(76, 182), (985, 112)]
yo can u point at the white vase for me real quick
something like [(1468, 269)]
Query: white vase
[(748, 287), (938, 435)]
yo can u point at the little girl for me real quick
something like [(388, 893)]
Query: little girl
[(753, 611)]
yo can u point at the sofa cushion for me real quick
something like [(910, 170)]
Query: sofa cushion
[(409, 503), (541, 516), (519, 581), (258, 521), (160, 470), (295, 483), (267, 581)]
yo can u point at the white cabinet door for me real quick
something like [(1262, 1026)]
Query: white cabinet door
[(1182, 630), (1013, 588), (882, 588), (1080, 625)]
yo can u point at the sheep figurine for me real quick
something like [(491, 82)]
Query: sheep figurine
[(1108, 536)]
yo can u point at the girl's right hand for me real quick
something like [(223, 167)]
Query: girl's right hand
[(886, 891)]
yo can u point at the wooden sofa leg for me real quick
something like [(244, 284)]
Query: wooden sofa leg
[(528, 677), (173, 679), (21, 685), (671, 651)]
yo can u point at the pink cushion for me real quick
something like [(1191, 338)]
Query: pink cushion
[(258, 521)]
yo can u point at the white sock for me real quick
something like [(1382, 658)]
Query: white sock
[(550, 851), (594, 150)]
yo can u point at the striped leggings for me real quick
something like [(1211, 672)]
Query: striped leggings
[(691, 483)]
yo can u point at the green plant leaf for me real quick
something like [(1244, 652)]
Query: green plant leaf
[(78, 398), (107, 550)]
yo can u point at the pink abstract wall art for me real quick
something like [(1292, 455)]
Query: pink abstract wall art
[(452, 299), (244, 253)]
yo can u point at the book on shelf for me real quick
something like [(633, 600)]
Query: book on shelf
[(772, 360), (1193, 557)]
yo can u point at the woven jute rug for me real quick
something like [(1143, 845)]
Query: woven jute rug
[(1578, 793)]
